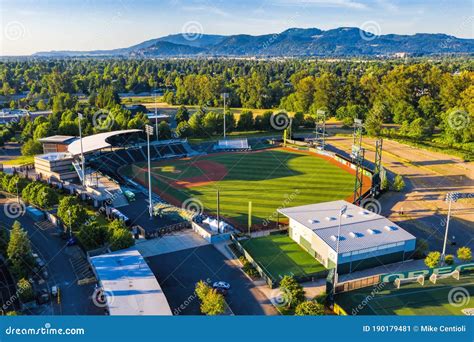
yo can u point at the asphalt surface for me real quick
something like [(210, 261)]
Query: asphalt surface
[(178, 273), (74, 299)]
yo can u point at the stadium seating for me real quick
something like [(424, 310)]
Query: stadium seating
[(232, 145)]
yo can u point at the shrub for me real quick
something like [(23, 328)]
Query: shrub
[(292, 290), (464, 254), (309, 308), (432, 259), (449, 259), (398, 183), (25, 290)]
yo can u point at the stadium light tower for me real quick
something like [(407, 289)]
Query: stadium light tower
[(224, 96), (450, 198), (341, 212), (149, 132), (79, 115)]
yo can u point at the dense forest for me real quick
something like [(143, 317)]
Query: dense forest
[(424, 99)]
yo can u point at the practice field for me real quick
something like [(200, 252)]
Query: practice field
[(279, 255), (269, 178), (447, 297)]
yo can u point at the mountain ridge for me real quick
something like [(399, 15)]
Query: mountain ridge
[(294, 42)]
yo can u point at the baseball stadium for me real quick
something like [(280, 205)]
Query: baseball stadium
[(268, 178)]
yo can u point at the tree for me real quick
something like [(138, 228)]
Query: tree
[(31, 148), (71, 213), (19, 251), (164, 131), (202, 289), (120, 236), (213, 303), (464, 254), (432, 259), (182, 115), (246, 122), (183, 130), (375, 119), (93, 235), (46, 197), (107, 97), (25, 290), (309, 308), (4, 238), (293, 292), (398, 183)]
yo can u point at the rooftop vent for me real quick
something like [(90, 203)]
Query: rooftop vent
[(330, 218), (334, 238), (364, 212), (390, 228), (310, 221), (346, 215), (355, 235), (373, 231)]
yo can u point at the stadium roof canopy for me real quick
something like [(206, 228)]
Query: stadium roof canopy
[(58, 139), (96, 142), (129, 284), (360, 228)]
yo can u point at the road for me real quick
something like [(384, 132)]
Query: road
[(428, 177), (178, 273), (74, 299)]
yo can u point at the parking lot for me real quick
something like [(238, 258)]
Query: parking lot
[(178, 273)]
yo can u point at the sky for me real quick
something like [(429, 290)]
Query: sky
[(29, 26)]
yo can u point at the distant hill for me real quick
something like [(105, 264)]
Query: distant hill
[(297, 42)]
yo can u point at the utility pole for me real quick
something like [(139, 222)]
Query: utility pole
[(357, 155), (218, 210), (250, 216), (156, 117), (82, 152), (149, 132), (225, 96), (450, 198)]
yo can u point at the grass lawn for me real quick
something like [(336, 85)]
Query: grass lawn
[(22, 160), (269, 178), (412, 298), (280, 256)]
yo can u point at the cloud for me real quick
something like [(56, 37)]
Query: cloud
[(327, 3), (206, 9)]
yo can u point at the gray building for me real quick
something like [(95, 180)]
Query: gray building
[(367, 239)]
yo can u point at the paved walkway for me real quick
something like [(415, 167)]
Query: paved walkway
[(170, 243)]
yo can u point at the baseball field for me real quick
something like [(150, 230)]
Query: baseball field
[(447, 297), (269, 178)]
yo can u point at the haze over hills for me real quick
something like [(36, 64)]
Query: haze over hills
[(343, 41)]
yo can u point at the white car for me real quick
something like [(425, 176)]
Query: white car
[(221, 285), (54, 291)]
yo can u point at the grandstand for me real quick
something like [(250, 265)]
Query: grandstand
[(232, 145)]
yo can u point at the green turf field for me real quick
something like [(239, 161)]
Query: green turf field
[(280, 255), (412, 298), (270, 179)]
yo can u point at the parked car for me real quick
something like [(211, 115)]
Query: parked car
[(71, 242), (43, 297), (221, 285), (221, 291), (54, 291), (38, 260)]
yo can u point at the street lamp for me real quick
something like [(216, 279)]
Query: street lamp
[(79, 115), (156, 117), (224, 96), (450, 198), (149, 132)]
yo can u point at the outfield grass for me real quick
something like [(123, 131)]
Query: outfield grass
[(21, 160), (270, 179), (279, 255), (411, 298)]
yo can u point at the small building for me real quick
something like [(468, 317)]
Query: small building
[(56, 143), (56, 166), (129, 285), (366, 240)]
